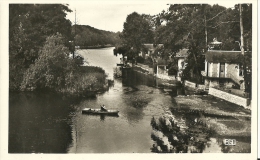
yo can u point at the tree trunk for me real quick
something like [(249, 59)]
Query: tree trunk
[(196, 64)]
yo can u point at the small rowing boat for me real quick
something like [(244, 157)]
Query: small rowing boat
[(99, 111)]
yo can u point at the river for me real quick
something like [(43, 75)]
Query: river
[(51, 123)]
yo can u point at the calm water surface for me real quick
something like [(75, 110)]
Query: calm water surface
[(50, 123)]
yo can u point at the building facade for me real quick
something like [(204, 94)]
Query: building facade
[(181, 56), (223, 69)]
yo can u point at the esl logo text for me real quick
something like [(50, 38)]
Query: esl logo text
[(229, 142)]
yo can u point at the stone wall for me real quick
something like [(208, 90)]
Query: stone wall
[(145, 67), (193, 85), (165, 77), (230, 97), (201, 86), (228, 83), (190, 84)]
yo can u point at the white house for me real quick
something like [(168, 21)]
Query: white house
[(181, 56), (223, 69)]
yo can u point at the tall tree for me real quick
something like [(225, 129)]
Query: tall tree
[(137, 31), (193, 26), (184, 29), (29, 26), (49, 70)]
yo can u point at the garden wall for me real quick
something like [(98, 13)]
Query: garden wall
[(193, 85), (190, 84), (230, 97)]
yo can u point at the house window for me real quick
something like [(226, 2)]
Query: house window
[(222, 67), (222, 70), (241, 70)]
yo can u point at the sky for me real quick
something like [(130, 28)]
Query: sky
[(110, 16)]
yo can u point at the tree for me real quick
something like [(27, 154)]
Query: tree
[(55, 71), (192, 26), (30, 25), (136, 32), (50, 68), (184, 29), (87, 36)]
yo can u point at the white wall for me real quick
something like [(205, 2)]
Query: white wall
[(229, 97)]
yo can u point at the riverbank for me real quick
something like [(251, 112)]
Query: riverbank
[(215, 110), (161, 79), (228, 120), (208, 104), (223, 119)]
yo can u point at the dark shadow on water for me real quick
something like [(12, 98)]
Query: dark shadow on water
[(133, 78), (102, 117), (40, 122)]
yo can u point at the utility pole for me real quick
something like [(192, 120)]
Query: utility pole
[(75, 23), (241, 31), (206, 31), (242, 47)]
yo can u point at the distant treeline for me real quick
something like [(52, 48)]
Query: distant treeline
[(90, 37)]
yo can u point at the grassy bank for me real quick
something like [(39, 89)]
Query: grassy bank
[(88, 79)]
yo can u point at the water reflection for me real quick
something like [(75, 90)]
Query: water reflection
[(102, 116), (133, 78), (49, 123), (31, 131)]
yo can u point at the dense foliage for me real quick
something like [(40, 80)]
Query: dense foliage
[(39, 49), (87, 36), (54, 70), (137, 31), (174, 136), (194, 26), (30, 25)]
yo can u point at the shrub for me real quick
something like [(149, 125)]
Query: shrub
[(172, 70), (56, 71), (149, 62), (140, 59)]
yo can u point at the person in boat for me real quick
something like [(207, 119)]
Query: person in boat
[(103, 108)]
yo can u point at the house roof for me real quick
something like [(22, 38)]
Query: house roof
[(182, 53), (219, 56)]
